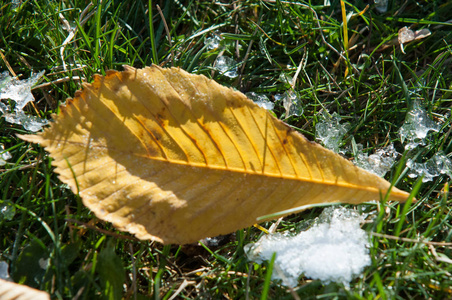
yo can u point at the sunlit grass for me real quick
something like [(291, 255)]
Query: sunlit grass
[(371, 86)]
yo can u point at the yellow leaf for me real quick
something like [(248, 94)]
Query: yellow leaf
[(176, 157), (14, 291)]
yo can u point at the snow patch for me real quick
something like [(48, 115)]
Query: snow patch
[(334, 249)]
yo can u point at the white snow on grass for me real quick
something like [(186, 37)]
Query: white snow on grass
[(334, 249)]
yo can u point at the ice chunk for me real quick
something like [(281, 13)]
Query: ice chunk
[(4, 109), (381, 5), (14, 118), (291, 101), (30, 123), (15, 4), (4, 155), (33, 123), (285, 78), (44, 263), (330, 132), (4, 273), (5, 79), (227, 66), (417, 125), (18, 90), (291, 104), (435, 166), (261, 100), (334, 249), (7, 211), (213, 42), (378, 163), (216, 241)]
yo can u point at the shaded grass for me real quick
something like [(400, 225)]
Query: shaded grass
[(372, 89)]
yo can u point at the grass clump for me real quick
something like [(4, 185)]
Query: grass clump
[(51, 242)]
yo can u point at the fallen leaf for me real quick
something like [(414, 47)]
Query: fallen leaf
[(176, 157), (13, 291), (407, 35)]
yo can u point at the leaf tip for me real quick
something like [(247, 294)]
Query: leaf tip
[(129, 68), (399, 195), (32, 138)]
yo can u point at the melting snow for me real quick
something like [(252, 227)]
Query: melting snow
[(414, 133), (30, 123), (435, 166), (378, 163), (20, 92), (261, 100), (417, 125), (334, 249), (330, 132)]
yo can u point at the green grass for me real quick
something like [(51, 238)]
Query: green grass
[(53, 243)]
